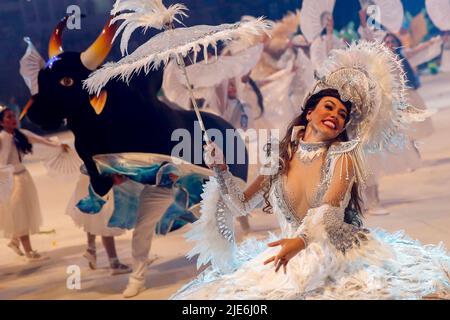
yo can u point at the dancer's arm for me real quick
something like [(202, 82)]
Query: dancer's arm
[(409, 52), (34, 138), (424, 52), (240, 202)]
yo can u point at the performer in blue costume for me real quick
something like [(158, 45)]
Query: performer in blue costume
[(154, 196)]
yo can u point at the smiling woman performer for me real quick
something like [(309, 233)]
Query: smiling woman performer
[(325, 252)]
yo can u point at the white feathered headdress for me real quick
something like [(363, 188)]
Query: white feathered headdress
[(370, 76)]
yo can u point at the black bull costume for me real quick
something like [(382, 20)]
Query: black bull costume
[(124, 118)]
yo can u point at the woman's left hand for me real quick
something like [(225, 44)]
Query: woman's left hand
[(289, 248), (65, 147)]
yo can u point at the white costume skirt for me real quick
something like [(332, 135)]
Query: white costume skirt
[(390, 266), (21, 214), (96, 224)]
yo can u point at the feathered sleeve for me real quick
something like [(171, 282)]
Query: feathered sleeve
[(343, 236), (233, 196), (213, 233)]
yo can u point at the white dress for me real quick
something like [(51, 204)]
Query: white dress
[(96, 224), (20, 213), (340, 261)]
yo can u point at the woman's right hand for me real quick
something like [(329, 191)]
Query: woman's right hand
[(214, 157)]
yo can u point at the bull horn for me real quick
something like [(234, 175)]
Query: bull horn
[(94, 56), (55, 44)]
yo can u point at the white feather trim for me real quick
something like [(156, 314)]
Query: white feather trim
[(210, 245), (224, 68), (143, 14), (171, 44)]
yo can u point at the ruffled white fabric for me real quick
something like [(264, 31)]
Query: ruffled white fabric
[(386, 266), (6, 182), (20, 215), (93, 223), (403, 269)]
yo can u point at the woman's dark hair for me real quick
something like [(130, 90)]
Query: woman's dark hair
[(23, 145), (288, 148)]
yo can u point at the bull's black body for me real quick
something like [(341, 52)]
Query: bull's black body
[(133, 119)]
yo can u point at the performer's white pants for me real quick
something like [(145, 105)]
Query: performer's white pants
[(153, 203)]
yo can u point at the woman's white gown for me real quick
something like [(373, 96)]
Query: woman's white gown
[(375, 265)]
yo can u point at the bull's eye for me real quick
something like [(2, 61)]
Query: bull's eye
[(66, 82)]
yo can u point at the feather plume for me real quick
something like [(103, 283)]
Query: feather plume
[(172, 44), (143, 14)]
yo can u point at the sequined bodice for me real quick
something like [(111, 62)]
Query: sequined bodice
[(316, 181)]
